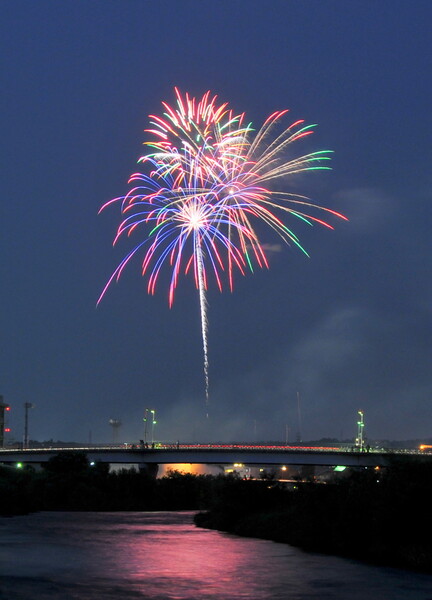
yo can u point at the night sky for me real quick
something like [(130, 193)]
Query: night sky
[(348, 328)]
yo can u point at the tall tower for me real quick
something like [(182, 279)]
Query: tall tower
[(115, 424), (4, 408)]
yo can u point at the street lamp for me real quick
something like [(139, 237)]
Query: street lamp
[(360, 430), (153, 423), (149, 415)]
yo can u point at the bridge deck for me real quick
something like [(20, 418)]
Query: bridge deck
[(213, 454)]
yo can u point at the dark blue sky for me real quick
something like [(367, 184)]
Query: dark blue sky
[(348, 328)]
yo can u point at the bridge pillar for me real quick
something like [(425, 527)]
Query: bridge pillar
[(150, 469), (307, 472)]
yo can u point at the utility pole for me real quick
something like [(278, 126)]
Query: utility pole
[(299, 434), (145, 425)]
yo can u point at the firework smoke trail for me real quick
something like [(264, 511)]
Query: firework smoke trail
[(207, 183)]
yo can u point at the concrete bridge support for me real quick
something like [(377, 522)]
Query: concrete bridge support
[(150, 469), (307, 472)]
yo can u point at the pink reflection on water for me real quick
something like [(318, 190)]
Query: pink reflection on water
[(193, 563)]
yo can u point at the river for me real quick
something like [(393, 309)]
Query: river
[(163, 556)]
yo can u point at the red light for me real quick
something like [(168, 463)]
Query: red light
[(7, 408), (7, 429)]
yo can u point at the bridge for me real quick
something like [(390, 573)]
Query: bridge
[(215, 454)]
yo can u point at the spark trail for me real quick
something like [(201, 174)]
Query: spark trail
[(204, 322)]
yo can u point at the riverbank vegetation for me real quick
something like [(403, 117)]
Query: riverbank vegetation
[(381, 516), (68, 482)]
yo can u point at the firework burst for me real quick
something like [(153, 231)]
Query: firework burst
[(209, 180)]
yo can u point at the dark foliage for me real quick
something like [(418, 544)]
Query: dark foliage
[(379, 516), (69, 482)]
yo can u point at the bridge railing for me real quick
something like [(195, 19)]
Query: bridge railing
[(157, 446)]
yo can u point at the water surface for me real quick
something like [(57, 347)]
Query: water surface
[(163, 556)]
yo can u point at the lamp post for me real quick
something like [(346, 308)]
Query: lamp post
[(153, 413), (360, 431), (149, 414)]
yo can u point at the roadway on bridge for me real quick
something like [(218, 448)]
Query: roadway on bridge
[(215, 454)]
